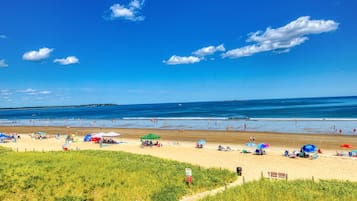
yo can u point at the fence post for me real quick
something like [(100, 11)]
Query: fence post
[(243, 179), (313, 179)]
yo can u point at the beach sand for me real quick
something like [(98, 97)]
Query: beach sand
[(180, 145)]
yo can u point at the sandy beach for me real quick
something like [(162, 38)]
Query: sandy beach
[(180, 145)]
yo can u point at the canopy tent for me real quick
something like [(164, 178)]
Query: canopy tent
[(150, 136), (110, 134)]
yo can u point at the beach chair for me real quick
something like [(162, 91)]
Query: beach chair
[(314, 156), (245, 151)]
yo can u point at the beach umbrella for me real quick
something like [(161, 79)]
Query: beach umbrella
[(201, 142), (346, 146), (250, 144), (309, 148), (87, 138), (150, 136), (111, 134), (41, 133), (3, 136), (262, 146), (98, 135)]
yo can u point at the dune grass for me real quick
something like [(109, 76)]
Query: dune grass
[(100, 175), (299, 190)]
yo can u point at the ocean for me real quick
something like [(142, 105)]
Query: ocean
[(327, 115)]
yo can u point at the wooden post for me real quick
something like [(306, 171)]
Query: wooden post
[(313, 179), (243, 179)]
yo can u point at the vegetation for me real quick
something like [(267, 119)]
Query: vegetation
[(304, 190), (100, 175)]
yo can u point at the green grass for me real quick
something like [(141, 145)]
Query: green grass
[(299, 190), (100, 175)]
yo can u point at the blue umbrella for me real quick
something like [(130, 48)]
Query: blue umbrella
[(309, 148), (201, 142), (251, 144), (262, 146), (3, 136)]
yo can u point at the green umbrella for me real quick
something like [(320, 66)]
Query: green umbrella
[(150, 136)]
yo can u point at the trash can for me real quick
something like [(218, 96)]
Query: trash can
[(239, 171)]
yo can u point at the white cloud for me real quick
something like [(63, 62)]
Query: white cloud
[(283, 38), (209, 50), (5, 92), (67, 60), (182, 60), (34, 55), (130, 12), (30, 91), (3, 63), (3, 36)]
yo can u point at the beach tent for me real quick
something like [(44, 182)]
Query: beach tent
[(346, 146), (150, 136), (201, 142), (250, 144), (87, 138), (309, 148), (43, 134)]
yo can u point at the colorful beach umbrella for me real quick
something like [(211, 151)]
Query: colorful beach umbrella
[(346, 146), (309, 148), (262, 146)]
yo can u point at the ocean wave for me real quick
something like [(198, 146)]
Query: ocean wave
[(175, 118), (303, 119)]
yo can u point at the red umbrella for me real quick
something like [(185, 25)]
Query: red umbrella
[(346, 146)]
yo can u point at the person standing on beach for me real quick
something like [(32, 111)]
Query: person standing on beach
[(101, 143)]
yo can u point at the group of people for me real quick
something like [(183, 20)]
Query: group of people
[(252, 139), (150, 143)]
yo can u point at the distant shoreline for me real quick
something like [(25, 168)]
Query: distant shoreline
[(50, 107)]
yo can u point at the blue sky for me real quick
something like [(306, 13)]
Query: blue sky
[(64, 52)]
